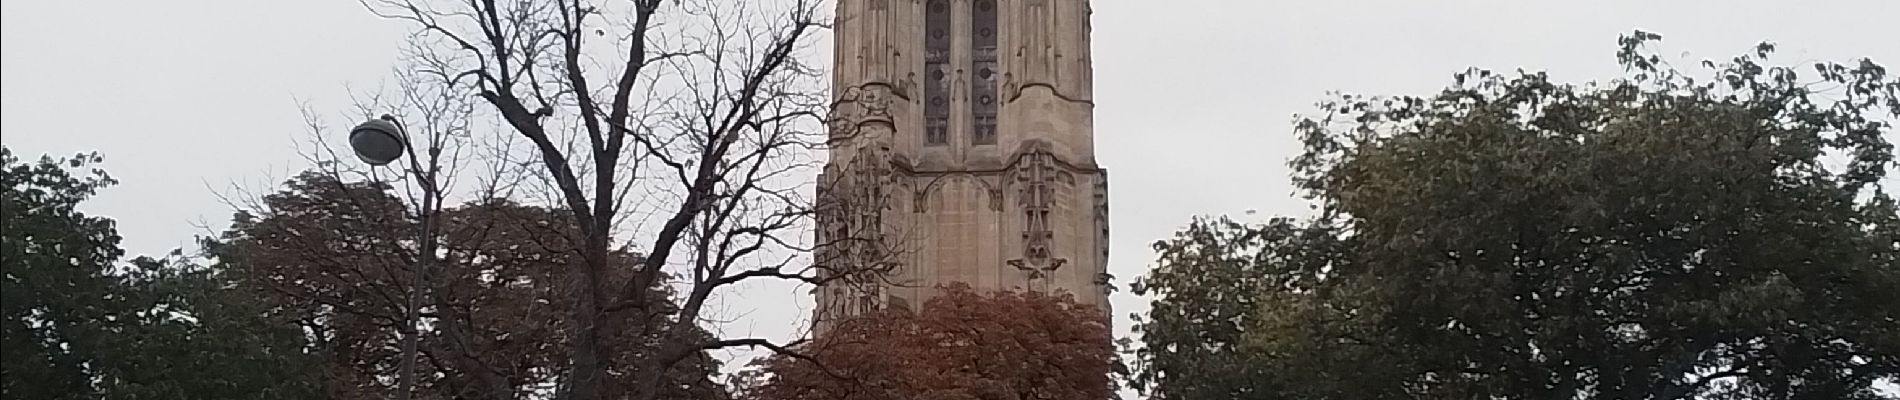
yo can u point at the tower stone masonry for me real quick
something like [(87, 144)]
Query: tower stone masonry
[(962, 151)]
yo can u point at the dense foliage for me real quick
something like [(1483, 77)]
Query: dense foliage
[(1656, 237), (80, 323), (339, 258), (961, 345)]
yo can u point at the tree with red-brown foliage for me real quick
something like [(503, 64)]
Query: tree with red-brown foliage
[(962, 345)]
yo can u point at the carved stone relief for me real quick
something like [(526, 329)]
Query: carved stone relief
[(1104, 281), (871, 179), (1035, 48), (922, 196), (857, 107), (1034, 177), (852, 217)]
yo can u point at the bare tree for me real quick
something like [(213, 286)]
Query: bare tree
[(335, 249), (693, 120)]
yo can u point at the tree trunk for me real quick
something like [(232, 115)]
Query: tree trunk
[(584, 380)]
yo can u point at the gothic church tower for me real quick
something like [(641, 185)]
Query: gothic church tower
[(962, 150)]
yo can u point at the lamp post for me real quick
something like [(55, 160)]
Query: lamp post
[(379, 142)]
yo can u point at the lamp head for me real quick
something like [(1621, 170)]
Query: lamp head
[(378, 141)]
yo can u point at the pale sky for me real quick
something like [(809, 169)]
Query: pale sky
[(1194, 97)]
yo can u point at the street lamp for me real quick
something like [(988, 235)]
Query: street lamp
[(379, 142)]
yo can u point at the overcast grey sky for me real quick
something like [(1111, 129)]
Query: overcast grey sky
[(1194, 97)]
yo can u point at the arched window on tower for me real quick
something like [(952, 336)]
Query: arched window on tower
[(937, 72), (983, 96)]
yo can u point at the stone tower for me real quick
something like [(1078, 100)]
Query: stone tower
[(962, 150)]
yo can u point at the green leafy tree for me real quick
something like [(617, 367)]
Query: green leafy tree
[(1656, 237), (195, 335), (80, 325), (56, 260)]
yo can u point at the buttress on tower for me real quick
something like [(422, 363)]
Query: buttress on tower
[(962, 150)]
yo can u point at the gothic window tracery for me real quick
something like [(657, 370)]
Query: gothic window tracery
[(983, 93), (937, 72)]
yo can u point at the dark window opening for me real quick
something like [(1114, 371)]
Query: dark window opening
[(937, 72), (983, 104)]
